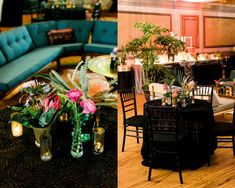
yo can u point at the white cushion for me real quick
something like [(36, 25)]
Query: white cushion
[(156, 91), (216, 101)]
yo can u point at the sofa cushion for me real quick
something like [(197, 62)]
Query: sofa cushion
[(2, 59), (216, 101), (99, 48), (82, 28), (15, 43), (22, 68), (71, 47), (61, 36), (105, 32), (38, 32), (226, 104)]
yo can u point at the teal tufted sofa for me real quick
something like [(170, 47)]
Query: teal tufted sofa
[(26, 50)]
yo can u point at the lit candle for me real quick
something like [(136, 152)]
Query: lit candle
[(98, 147), (16, 128)]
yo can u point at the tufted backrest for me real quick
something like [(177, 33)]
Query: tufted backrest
[(39, 32), (82, 28), (105, 32), (2, 59), (14, 43)]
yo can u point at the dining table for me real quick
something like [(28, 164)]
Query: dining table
[(200, 118), (78, 13)]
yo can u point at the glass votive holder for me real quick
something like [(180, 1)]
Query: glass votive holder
[(45, 147), (16, 129), (64, 117), (98, 135)]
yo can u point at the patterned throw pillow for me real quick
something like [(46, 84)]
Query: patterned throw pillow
[(61, 36)]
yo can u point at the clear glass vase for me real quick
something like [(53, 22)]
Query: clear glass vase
[(77, 146)]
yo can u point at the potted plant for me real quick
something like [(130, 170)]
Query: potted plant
[(147, 49)]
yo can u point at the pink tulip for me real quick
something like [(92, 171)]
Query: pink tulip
[(74, 95), (165, 87), (88, 106)]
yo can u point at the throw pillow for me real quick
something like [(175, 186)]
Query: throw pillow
[(61, 36)]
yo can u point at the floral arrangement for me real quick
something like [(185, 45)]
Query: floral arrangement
[(225, 87), (40, 107), (74, 98), (181, 93)]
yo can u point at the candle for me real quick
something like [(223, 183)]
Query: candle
[(98, 147), (16, 128)]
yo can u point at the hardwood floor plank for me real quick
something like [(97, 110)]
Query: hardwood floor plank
[(132, 174)]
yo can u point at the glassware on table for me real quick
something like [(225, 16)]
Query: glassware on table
[(98, 135), (16, 129), (45, 147)]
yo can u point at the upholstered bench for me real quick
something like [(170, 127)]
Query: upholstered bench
[(27, 49)]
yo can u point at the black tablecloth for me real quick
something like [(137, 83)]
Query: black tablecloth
[(21, 165), (200, 116)]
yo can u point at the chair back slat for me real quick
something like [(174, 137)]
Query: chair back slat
[(204, 92), (128, 100)]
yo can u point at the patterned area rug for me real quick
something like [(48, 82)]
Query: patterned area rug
[(21, 166)]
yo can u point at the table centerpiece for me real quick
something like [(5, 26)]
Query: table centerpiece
[(38, 108)]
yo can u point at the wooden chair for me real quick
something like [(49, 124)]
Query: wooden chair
[(167, 134), (204, 92), (225, 132), (130, 116)]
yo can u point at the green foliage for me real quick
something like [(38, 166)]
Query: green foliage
[(170, 44), (154, 41)]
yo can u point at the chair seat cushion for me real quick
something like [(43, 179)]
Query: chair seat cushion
[(223, 129), (137, 121)]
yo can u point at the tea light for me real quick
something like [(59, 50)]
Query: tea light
[(98, 147), (16, 129), (63, 117)]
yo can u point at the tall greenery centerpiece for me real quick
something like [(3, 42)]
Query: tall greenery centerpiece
[(145, 49), (149, 46), (170, 44)]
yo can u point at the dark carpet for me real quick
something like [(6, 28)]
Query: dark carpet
[(21, 166)]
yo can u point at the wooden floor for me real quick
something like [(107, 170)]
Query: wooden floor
[(131, 173)]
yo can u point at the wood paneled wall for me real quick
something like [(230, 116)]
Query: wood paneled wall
[(126, 20), (219, 31)]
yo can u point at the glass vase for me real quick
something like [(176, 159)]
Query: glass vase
[(77, 146)]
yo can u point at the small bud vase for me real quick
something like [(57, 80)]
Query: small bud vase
[(77, 146)]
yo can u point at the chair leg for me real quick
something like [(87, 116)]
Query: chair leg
[(124, 138), (209, 160), (233, 140), (150, 172), (137, 134), (179, 169)]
